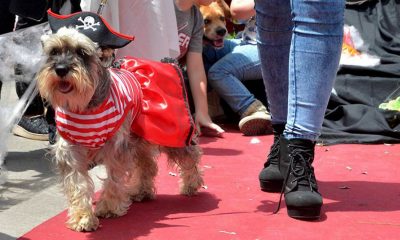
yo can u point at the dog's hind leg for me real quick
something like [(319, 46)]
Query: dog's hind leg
[(141, 181), (72, 165), (187, 161)]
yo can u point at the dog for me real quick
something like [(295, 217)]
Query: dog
[(74, 81), (215, 16)]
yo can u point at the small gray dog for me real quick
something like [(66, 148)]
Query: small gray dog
[(74, 81)]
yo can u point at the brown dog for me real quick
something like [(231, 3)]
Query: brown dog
[(215, 16)]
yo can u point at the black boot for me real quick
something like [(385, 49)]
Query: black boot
[(301, 191), (270, 177)]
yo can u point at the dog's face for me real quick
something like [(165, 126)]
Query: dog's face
[(72, 70), (215, 16)]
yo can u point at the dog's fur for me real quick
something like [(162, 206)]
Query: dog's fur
[(73, 78), (215, 16)]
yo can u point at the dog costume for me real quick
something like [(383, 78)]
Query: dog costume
[(153, 93)]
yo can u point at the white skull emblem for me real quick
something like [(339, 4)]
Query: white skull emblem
[(88, 23)]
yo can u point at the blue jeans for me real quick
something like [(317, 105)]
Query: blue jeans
[(300, 45), (227, 67)]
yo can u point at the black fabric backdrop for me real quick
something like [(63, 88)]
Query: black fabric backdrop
[(353, 115)]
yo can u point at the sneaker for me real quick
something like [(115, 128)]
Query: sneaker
[(35, 128), (256, 120)]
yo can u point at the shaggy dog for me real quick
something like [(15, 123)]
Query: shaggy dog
[(88, 96)]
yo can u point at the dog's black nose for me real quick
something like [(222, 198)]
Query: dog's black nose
[(221, 32), (62, 70)]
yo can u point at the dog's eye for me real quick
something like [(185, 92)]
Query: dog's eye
[(207, 21), (222, 18), (55, 51), (81, 52)]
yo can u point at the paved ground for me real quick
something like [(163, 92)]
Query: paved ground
[(31, 186)]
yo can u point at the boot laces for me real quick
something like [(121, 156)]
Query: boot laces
[(300, 166), (273, 156), (301, 169)]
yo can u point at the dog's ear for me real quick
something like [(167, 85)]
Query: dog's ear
[(225, 7), (44, 38), (107, 56)]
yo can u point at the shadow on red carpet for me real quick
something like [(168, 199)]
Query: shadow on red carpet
[(360, 185)]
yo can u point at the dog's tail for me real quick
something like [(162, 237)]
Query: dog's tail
[(192, 140), (173, 61)]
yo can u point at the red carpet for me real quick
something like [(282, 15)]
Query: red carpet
[(360, 185)]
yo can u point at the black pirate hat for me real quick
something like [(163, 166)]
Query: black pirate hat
[(92, 25)]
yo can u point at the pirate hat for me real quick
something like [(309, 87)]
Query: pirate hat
[(92, 25)]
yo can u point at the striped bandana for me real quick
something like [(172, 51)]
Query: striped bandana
[(93, 128)]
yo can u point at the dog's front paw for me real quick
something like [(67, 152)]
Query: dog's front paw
[(109, 209), (83, 223), (190, 188)]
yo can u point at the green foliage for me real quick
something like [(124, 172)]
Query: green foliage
[(391, 105), (231, 35)]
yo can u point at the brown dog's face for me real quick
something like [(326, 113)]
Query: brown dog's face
[(215, 16)]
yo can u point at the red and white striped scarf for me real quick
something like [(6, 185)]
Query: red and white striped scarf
[(93, 128)]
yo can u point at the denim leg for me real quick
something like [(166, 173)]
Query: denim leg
[(274, 33), (211, 54), (313, 64), (314, 53), (226, 76)]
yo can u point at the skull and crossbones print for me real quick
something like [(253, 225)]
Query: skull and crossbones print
[(87, 23)]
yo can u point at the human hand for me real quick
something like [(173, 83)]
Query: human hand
[(207, 127)]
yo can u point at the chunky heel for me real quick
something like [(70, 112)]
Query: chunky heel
[(271, 186), (309, 213)]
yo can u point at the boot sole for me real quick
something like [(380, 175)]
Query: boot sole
[(255, 126), (271, 186), (309, 213), (20, 131)]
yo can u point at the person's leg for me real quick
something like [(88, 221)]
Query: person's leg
[(75, 6), (21, 85), (33, 124), (7, 21), (227, 74), (50, 119), (36, 106), (211, 54), (313, 62), (314, 58), (274, 34), (226, 77)]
